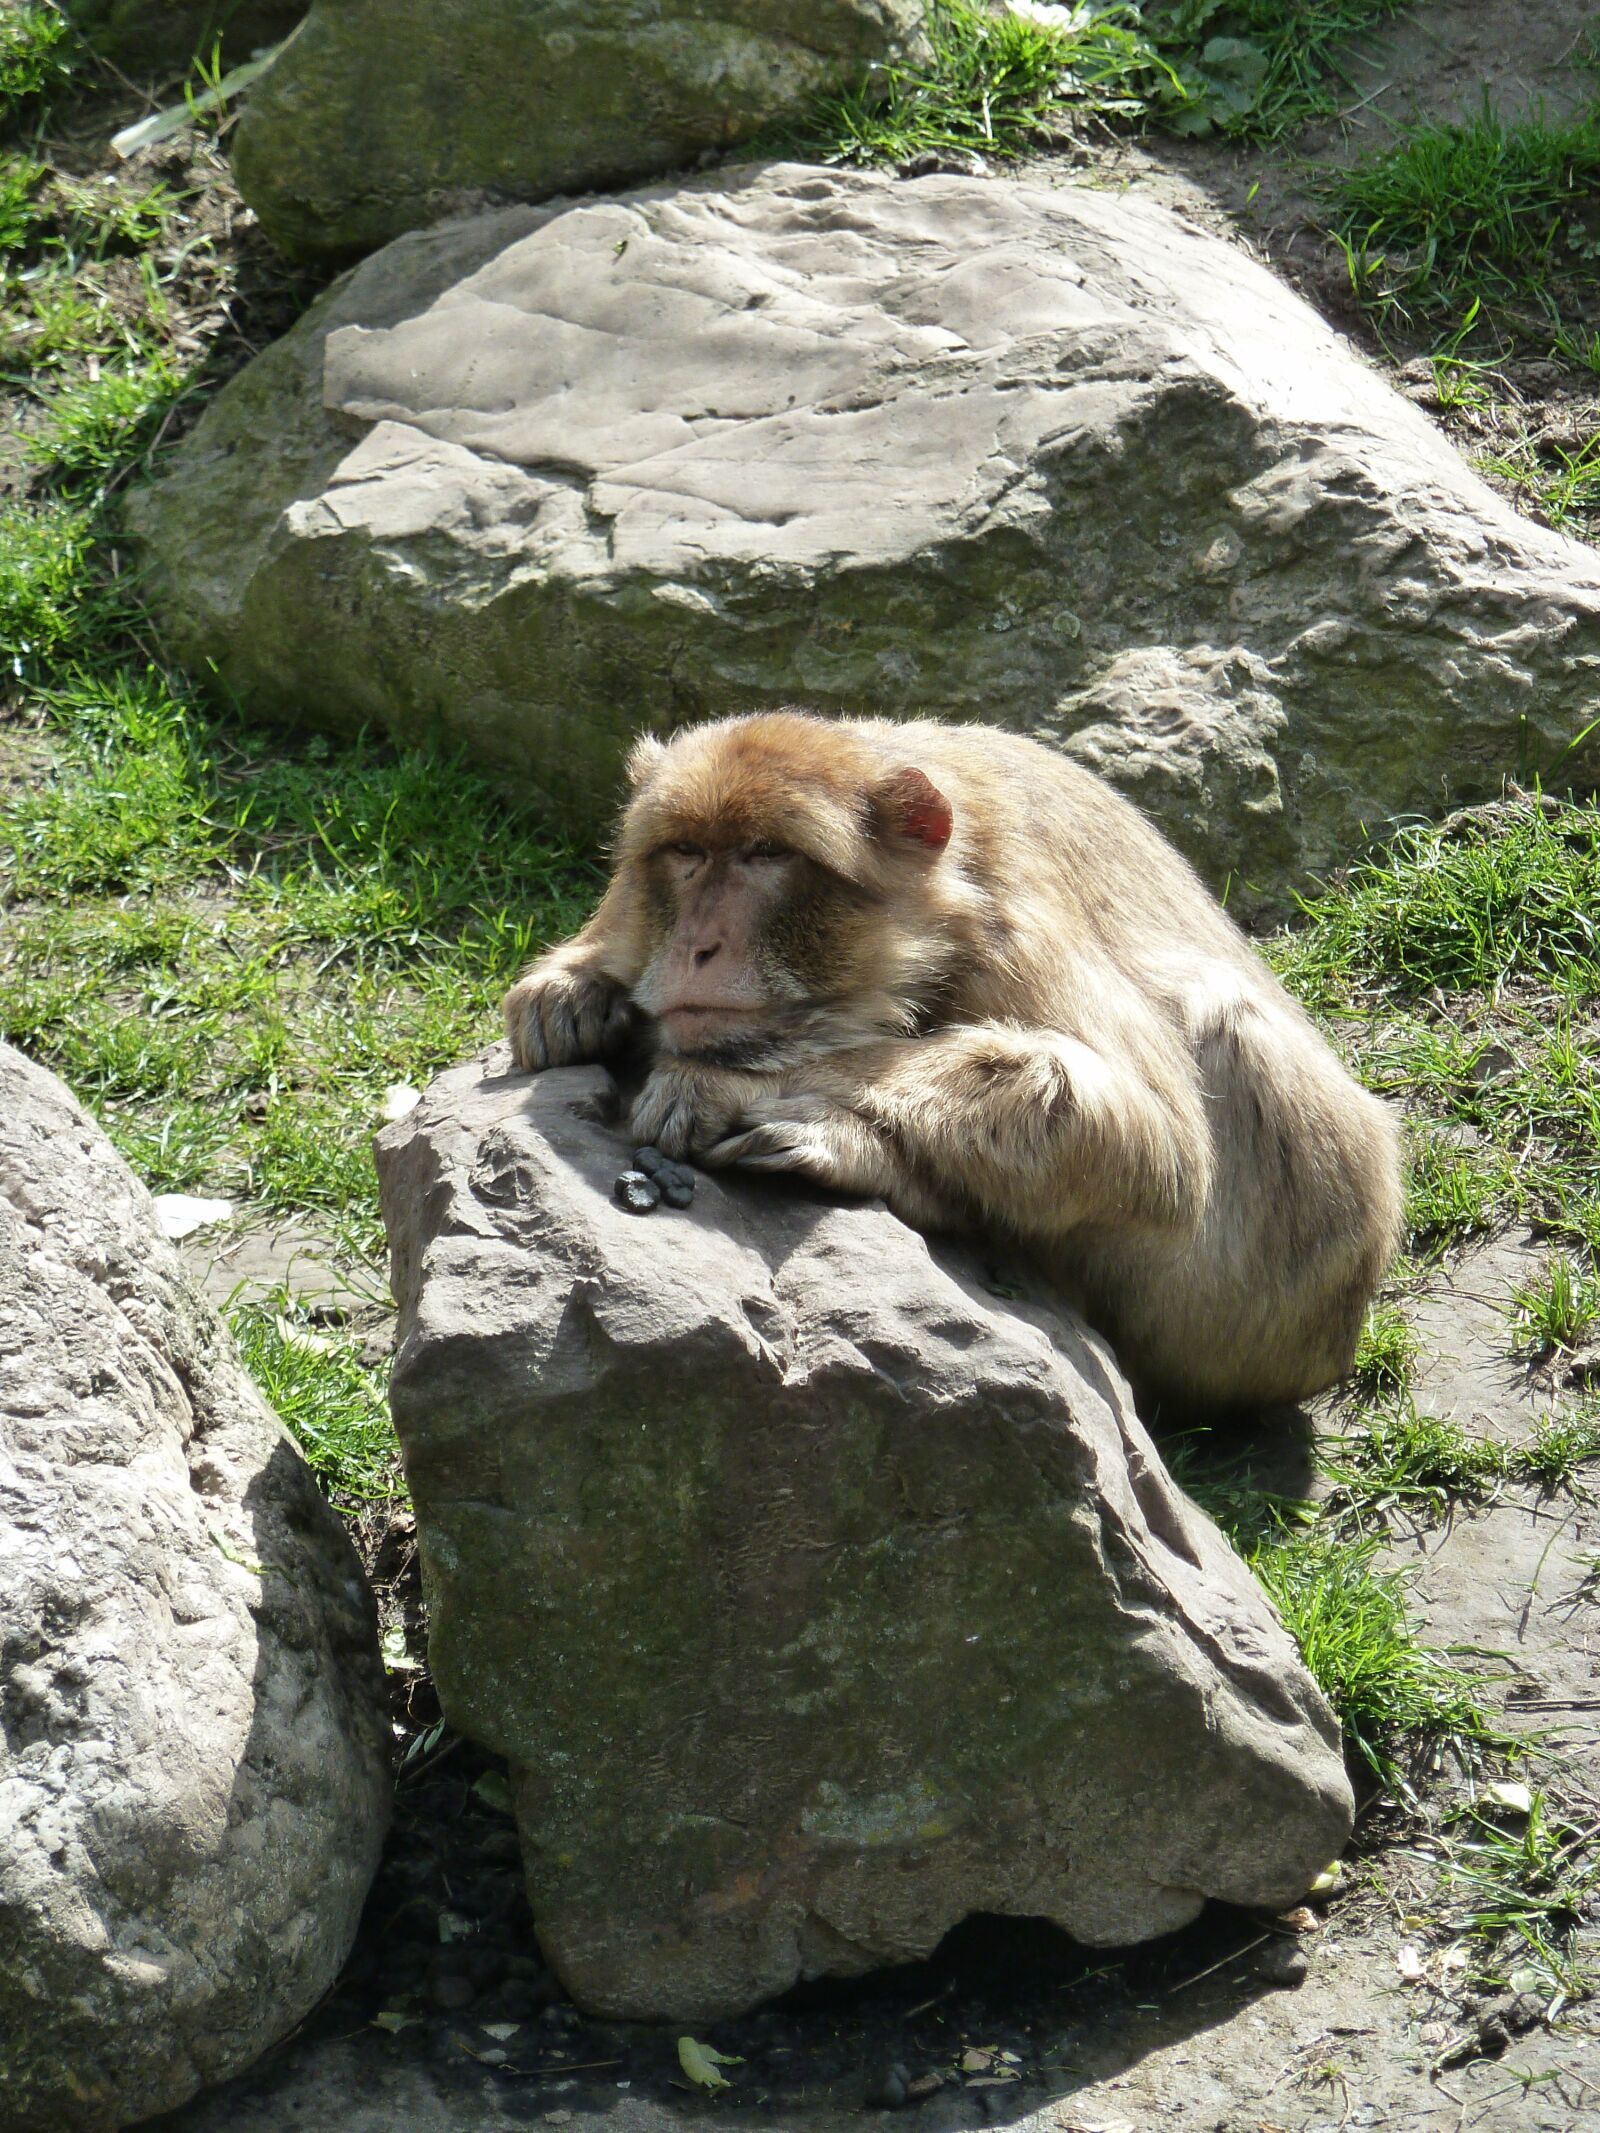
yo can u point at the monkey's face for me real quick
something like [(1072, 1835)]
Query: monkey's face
[(780, 874), (750, 938)]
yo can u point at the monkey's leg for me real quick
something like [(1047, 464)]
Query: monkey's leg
[(1033, 1129)]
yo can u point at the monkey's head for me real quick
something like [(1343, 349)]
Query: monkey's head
[(793, 887)]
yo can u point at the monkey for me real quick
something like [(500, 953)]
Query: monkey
[(944, 965)]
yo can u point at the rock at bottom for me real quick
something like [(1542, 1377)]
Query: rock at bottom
[(818, 1596), (194, 1737)]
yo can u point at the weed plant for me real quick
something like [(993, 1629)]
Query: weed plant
[(1555, 1309), (35, 55), (1520, 1888)]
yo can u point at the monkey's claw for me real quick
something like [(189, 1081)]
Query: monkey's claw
[(809, 1137), (789, 1146)]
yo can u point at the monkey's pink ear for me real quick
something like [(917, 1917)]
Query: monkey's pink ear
[(910, 805), (643, 757)]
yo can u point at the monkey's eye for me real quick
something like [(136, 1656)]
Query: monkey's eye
[(765, 851), (683, 851)]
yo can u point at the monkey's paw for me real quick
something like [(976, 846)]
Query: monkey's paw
[(558, 1016), (685, 1109), (811, 1137)]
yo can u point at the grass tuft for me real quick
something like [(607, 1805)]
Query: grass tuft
[(997, 83), (1522, 1889), (35, 47), (1387, 1351), (1555, 1309), (332, 1403), (1349, 1619), (1472, 225), (1397, 1460)]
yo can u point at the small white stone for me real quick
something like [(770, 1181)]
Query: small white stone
[(399, 1098), (180, 1214), (1506, 1798)]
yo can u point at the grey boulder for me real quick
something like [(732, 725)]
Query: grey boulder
[(533, 481), (817, 1596), (194, 1747), (385, 114)]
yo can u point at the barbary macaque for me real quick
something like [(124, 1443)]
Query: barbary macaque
[(944, 965)]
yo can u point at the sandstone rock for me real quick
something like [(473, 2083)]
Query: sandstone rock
[(817, 1596), (388, 113), (535, 480), (194, 1767)]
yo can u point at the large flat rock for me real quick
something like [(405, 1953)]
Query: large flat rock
[(818, 1596), (535, 480), (194, 1745)]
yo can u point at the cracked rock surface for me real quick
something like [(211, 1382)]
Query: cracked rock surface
[(385, 114), (817, 1597), (534, 480), (194, 1748)]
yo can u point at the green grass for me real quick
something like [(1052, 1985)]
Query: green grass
[(1555, 1309), (1562, 1445), (1475, 225), (994, 84), (1394, 1460), (258, 933), (96, 429), (999, 84), (1560, 486), (229, 941), (1387, 1351), (35, 52), (1521, 1886), (333, 1402), (1460, 970), (1392, 1697), (1257, 69)]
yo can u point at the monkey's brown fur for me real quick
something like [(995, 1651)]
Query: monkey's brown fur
[(1044, 1027)]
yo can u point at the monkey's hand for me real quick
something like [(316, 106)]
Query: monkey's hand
[(813, 1136), (564, 1013), (685, 1108)]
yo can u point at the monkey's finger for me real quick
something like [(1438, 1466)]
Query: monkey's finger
[(778, 1146)]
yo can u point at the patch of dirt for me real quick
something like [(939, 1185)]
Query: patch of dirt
[(260, 1255), (1465, 1370)]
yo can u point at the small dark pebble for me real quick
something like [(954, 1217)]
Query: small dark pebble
[(636, 1192), (891, 2092), (561, 2016), (923, 2085), (1283, 1962), (675, 1179)]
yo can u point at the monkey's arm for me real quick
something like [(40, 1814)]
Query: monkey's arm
[(1035, 1129), (572, 1005)]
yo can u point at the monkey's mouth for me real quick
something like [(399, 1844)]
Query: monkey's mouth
[(688, 1027), (715, 1031)]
